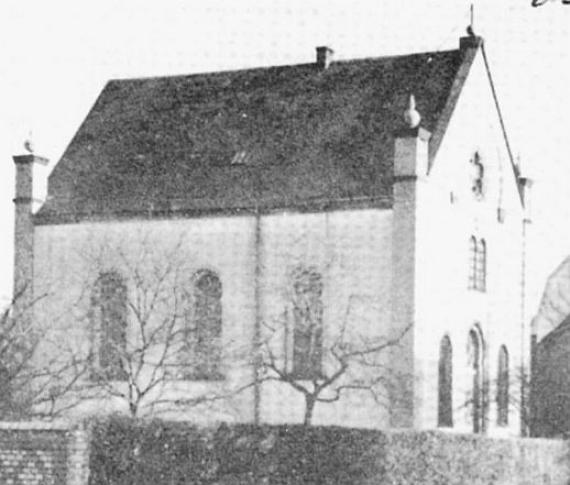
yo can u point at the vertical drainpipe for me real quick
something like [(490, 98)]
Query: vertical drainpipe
[(524, 369), (527, 413), (257, 305)]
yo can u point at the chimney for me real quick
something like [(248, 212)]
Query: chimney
[(324, 57), (30, 192), (31, 180)]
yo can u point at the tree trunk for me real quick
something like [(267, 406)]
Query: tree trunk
[(309, 408), (133, 409)]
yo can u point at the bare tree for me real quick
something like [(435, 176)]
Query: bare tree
[(33, 386), (136, 310), (147, 323), (155, 329), (321, 360), (508, 393)]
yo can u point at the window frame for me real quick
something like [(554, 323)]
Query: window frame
[(202, 344), (477, 274), (307, 340)]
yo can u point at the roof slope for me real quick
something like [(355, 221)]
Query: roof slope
[(311, 137)]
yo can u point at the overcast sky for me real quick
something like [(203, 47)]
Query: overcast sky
[(56, 56)]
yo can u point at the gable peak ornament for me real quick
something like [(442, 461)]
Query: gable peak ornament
[(29, 144), (411, 115)]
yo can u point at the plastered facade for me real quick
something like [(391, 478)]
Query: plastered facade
[(351, 249)]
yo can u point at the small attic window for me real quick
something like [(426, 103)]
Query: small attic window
[(240, 158), (477, 176)]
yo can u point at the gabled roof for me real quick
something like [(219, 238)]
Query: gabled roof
[(293, 136)]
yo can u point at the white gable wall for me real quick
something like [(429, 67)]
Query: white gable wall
[(448, 215)]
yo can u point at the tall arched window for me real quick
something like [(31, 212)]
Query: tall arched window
[(308, 323), (477, 264), (445, 384), (503, 387), (477, 403), (109, 322), (205, 333)]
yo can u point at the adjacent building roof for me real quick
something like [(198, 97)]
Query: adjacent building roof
[(295, 136), (552, 337)]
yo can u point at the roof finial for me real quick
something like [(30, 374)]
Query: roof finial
[(411, 115), (471, 26), (28, 143)]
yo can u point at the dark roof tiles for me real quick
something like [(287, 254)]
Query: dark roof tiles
[(308, 136)]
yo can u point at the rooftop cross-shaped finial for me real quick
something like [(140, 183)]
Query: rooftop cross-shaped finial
[(471, 26)]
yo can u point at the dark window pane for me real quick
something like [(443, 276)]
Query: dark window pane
[(204, 332), (445, 384), (308, 325), (475, 356), (109, 309), (503, 388)]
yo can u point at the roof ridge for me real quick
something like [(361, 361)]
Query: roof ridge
[(274, 66)]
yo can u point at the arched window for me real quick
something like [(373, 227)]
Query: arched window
[(475, 362), (204, 334), (477, 264), (308, 323), (503, 387), (445, 384), (109, 323)]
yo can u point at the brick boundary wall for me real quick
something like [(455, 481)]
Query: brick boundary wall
[(39, 453), (78, 456)]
